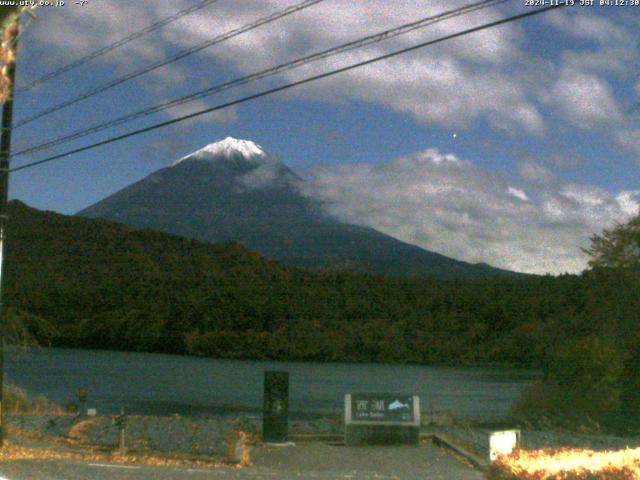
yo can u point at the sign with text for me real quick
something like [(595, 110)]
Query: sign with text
[(382, 409)]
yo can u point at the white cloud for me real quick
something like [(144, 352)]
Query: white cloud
[(79, 31), (584, 99), (225, 116), (516, 192), (481, 77), (453, 83), (628, 202), (534, 172), (262, 176), (584, 195), (460, 210), (269, 172), (616, 59), (588, 26)]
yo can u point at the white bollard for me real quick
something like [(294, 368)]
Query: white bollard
[(503, 443)]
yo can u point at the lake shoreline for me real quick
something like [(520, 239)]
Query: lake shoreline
[(461, 364), (209, 435), (157, 384)]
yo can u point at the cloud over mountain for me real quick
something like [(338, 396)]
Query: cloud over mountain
[(449, 205), (232, 190)]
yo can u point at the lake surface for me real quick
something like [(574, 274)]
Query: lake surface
[(165, 384)]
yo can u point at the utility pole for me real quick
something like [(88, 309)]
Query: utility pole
[(8, 73)]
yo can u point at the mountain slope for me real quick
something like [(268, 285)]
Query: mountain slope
[(233, 191)]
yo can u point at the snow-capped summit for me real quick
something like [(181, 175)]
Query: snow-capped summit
[(228, 148)]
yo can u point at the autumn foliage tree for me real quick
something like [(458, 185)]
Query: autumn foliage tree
[(618, 247), (592, 372)]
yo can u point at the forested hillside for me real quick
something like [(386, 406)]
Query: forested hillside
[(104, 285)]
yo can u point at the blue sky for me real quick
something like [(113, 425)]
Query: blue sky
[(509, 146)]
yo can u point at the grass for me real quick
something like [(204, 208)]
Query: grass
[(18, 400), (12, 452)]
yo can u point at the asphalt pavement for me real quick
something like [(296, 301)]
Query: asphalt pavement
[(315, 460)]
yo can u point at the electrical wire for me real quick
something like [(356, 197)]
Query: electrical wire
[(119, 43), (299, 62), (174, 58), (291, 85)]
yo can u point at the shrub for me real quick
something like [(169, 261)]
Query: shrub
[(17, 400), (628, 418), (581, 387)]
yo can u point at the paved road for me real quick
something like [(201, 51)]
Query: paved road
[(318, 461)]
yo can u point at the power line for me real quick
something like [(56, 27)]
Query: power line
[(299, 62), (185, 53), (387, 34), (119, 43), (291, 85)]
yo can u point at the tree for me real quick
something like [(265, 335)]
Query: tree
[(618, 247), (21, 328), (581, 385), (629, 414)]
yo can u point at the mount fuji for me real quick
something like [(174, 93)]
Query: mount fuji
[(233, 190)]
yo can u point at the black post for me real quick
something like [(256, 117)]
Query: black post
[(121, 422), (275, 413), (9, 42)]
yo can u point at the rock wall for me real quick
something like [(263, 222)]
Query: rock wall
[(196, 435)]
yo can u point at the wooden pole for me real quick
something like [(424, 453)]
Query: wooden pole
[(9, 47)]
